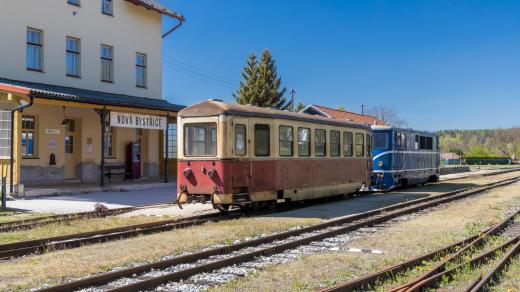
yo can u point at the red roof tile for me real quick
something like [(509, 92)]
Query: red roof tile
[(350, 116)]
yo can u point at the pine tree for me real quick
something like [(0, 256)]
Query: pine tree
[(261, 84), (248, 91), (300, 107)]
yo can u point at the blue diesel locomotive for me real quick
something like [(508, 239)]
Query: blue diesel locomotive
[(403, 157)]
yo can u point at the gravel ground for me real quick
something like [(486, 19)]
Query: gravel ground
[(397, 242)]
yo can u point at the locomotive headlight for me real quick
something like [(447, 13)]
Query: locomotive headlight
[(380, 163), (186, 172)]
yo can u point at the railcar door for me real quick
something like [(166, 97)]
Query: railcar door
[(241, 169), (399, 147)]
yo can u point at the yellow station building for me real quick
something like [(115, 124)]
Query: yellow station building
[(80, 80)]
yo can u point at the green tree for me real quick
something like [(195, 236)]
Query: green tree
[(300, 106), (261, 85)]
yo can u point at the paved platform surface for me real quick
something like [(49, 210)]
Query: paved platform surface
[(167, 194), (86, 202)]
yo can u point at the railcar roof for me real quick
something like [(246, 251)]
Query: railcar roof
[(217, 108)]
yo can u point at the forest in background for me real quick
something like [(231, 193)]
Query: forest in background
[(482, 143)]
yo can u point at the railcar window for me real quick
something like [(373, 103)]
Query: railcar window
[(200, 139), (320, 138), (348, 144), (369, 145), (334, 143), (286, 141), (304, 141), (262, 140), (422, 144), (360, 145), (381, 140), (240, 139), (429, 143), (417, 140)]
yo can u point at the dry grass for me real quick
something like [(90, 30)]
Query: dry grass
[(398, 242), (13, 215), (34, 271), (72, 227)]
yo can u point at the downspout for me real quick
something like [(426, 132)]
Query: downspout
[(181, 21), (11, 174)]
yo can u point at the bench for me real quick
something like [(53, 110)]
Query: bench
[(116, 169)]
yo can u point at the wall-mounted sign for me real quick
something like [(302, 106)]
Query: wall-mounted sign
[(126, 120), (52, 131), (52, 144)]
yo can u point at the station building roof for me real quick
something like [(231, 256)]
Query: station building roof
[(47, 91), (157, 7), (342, 115)]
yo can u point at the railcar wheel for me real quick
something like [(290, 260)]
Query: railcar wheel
[(222, 208)]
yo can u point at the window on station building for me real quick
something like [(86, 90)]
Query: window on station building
[(74, 2), (107, 7), (172, 141), (28, 136), (200, 139), (348, 144), (262, 140), (320, 142), (5, 134), (109, 140), (70, 127), (34, 54), (335, 143), (360, 145), (73, 57), (304, 141), (240, 139), (286, 141), (140, 70), (107, 63)]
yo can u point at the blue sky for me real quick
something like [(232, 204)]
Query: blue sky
[(440, 64)]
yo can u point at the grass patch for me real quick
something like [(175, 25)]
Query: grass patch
[(52, 268), (12, 215), (72, 227)]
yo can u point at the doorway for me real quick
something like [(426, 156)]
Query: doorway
[(71, 148)]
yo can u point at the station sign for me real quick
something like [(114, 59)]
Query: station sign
[(128, 120)]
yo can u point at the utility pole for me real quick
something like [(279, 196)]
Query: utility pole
[(362, 109), (293, 93)]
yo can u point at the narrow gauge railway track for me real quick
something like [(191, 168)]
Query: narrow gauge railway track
[(438, 272), (493, 173), (17, 249), (185, 266), (22, 248), (61, 218)]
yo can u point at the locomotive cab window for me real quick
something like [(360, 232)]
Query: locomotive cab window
[(304, 141), (240, 139), (320, 138), (348, 144), (360, 145), (334, 143), (286, 138), (381, 141), (262, 140), (200, 139)]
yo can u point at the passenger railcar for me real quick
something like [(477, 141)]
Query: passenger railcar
[(404, 157), (235, 155)]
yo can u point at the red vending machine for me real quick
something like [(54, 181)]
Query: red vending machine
[(133, 161)]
